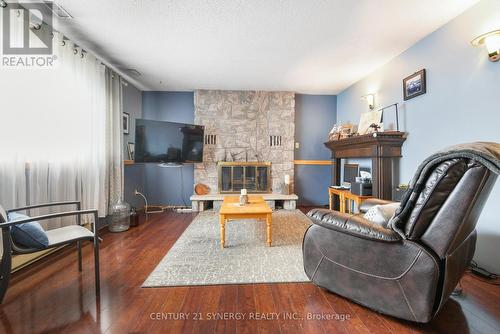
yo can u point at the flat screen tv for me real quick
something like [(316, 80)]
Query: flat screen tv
[(168, 142)]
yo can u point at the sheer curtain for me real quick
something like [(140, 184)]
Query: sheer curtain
[(114, 139), (61, 131)]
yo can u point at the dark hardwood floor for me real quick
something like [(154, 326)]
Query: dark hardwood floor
[(52, 297)]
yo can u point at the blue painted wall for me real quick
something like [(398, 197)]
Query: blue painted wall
[(168, 106), (163, 186), (314, 117), (461, 104), (134, 177)]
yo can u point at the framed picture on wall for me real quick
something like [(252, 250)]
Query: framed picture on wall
[(414, 85), (131, 150), (126, 123)]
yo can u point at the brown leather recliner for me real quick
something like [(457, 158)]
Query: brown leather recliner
[(409, 267)]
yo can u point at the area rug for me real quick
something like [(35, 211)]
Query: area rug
[(197, 258)]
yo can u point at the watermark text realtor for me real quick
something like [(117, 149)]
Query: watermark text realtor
[(28, 61), (27, 35)]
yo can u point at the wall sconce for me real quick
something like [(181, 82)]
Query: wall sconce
[(492, 42), (370, 99)]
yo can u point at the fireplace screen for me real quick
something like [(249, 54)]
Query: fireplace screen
[(253, 176)]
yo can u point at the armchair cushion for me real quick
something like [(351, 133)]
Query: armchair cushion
[(30, 234), (354, 225), (66, 234)]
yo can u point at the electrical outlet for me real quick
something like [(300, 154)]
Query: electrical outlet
[(136, 192), (297, 145)]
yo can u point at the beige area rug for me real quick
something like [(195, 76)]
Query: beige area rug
[(197, 258)]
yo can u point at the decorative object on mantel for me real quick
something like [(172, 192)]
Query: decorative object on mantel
[(370, 99), (334, 133), (346, 130), (374, 127), (243, 197), (201, 189), (414, 85), (340, 131), (395, 105), (492, 42), (367, 119), (126, 123)]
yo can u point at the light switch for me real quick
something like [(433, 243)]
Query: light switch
[(297, 145)]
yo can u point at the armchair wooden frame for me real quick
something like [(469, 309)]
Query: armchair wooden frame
[(10, 247)]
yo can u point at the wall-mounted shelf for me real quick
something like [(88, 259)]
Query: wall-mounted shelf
[(296, 162), (313, 162)]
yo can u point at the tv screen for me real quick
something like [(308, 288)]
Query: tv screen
[(165, 142)]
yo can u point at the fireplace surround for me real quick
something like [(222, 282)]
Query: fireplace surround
[(242, 127)]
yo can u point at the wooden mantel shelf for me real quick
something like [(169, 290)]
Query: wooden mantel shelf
[(381, 147), (367, 146)]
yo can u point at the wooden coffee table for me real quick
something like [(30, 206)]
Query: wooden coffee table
[(257, 208)]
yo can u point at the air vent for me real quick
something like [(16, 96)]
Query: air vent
[(210, 139), (274, 141)]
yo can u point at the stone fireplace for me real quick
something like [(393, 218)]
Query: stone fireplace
[(249, 128)]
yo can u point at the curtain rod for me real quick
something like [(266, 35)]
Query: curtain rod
[(65, 38)]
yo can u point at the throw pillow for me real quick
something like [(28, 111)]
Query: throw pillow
[(381, 214), (30, 235)]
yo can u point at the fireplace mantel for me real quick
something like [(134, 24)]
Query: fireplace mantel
[(381, 147)]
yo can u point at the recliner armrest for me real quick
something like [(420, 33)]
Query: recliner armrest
[(354, 225), (369, 203)]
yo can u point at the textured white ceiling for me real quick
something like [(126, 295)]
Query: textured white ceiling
[(308, 46)]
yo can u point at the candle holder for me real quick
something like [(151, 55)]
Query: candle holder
[(243, 199), (285, 190)]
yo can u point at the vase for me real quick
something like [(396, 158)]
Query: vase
[(120, 217)]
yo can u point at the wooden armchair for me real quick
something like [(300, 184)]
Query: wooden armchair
[(57, 237)]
